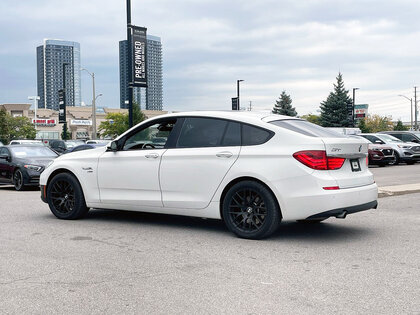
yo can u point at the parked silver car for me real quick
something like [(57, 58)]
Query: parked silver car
[(408, 152)]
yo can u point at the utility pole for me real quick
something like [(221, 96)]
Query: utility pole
[(237, 92), (411, 109), (416, 127), (250, 105), (130, 70)]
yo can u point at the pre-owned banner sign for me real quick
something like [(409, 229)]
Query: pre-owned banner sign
[(62, 106), (139, 43)]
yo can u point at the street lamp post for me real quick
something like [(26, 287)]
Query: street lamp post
[(354, 95), (129, 65), (64, 90), (411, 109), (35, 99), (93, 103), (237, 92)]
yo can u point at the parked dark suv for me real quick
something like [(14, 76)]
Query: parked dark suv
[(406, 136)]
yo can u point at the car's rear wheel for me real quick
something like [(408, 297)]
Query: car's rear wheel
[(65, 197), (18, 180), (250, 210)]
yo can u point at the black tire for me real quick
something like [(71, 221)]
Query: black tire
[(397, 159), (65, 197), (18, 180), (250, 210)]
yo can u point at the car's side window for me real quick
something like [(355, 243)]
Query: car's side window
[(399, 136), (202, 132), (407, 138), (232, 136), (252, 135), (152, 137)]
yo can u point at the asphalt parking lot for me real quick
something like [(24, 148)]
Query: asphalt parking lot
[(126, 262)]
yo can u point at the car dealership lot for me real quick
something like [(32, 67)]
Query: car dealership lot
[(116, 261)]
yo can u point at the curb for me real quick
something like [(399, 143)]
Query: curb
[(388, 191)]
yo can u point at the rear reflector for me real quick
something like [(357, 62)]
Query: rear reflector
[(318, 160), (331, 188)]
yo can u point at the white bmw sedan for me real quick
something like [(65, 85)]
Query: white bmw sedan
[(251, 170)]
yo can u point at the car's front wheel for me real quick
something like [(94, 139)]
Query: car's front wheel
[(250, 210), (65, 197), (18, 180)]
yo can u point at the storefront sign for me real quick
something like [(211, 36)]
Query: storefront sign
[(44, 122), (81, 122)]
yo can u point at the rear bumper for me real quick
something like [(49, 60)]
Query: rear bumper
[(314, 201), (343, 212)]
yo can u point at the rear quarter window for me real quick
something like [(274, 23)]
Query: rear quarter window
[(306, 128), (252, 135)]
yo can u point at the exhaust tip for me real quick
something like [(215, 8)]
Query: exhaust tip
[(342, 215)]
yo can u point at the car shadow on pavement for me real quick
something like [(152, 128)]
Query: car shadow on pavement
[(325, 231), (12, 188), (330, 230)]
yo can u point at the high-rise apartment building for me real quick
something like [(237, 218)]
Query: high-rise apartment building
[(150, 98), (51, 57)]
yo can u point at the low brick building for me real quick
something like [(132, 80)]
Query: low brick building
[(79, 119)]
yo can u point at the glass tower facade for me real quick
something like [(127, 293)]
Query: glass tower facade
[(51, 57), (150, 98)]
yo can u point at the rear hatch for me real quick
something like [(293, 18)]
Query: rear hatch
[(354, 172)]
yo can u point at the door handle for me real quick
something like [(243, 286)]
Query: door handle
[(152, 156), (224, 154)]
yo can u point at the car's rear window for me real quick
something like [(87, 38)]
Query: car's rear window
[(306, 128)]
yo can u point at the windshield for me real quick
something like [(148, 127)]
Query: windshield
[(388, 138), (72, 144), (32, 151)]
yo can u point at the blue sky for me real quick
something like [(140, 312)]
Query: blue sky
[(297, 46)]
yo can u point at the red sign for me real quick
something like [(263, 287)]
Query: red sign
[(44, 122)]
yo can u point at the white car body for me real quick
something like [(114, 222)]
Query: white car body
[(191, 181)]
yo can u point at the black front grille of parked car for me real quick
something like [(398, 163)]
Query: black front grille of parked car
[(387, 151)]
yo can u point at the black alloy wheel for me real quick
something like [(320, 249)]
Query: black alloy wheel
[(65, 197), (250, 210), (18, 180)]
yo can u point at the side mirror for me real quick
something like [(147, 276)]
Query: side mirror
[(415, 140), (113, 146)]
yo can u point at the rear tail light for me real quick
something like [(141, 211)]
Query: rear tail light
[(318, 160), (367, 160)]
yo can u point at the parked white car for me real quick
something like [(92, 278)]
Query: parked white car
[(26, 142), (251, 170)]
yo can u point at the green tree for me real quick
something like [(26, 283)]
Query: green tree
[(20, 128), (400, 127), (376, 123), (65, 133), (315, 119), (362, 126), (283, 106), (4, 126), (117, 123), (334, 108)]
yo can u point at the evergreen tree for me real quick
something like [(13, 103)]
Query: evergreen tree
[(283, 106), (65, 133), (400, 127), (334, 108)]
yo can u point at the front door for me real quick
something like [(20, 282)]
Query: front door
[(130, 176), (5, 166)]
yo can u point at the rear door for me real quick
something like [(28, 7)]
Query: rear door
[(191, 172)]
